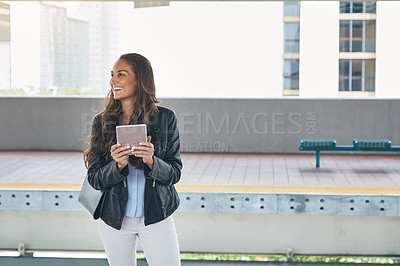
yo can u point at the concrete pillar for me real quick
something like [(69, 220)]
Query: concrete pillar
[(319, 49), (387, 50)]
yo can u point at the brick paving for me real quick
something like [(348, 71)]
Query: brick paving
[(211, 169)]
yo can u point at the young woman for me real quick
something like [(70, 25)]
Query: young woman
[(139, 196)]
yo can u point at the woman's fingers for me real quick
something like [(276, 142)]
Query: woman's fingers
[(120, 151), (145, 151), (114, 147), (144, 148)]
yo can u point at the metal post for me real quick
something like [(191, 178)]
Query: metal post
[(317, 157)]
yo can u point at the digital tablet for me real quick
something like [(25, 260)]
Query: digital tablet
[(131, 134)]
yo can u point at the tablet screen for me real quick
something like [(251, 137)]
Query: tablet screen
[(131, 134)]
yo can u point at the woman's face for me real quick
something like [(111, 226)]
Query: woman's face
[(123, 81)]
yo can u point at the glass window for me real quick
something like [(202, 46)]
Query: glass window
[(344, 74), (357, 75), (291, 74), (357, 36), (291, 9), (370, 35), (369, 75), (344, 41), (292, 37), (370, 7), (344, 7), (292, 43), (4, 22), (358, 7)]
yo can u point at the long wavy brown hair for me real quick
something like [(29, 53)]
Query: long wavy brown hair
[(103, 134)]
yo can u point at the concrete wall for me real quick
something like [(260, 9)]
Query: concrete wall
[(387, 59), (236, 233), (207, 125)]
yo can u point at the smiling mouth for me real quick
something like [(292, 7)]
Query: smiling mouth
[(117, 88)]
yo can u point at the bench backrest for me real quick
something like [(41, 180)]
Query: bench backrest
[(317, 144), (372, 144)]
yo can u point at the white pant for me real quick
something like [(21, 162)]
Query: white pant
[(159, 242)]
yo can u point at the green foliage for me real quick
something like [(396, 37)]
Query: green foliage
[(70, 91), (281, 258), (231, 257), (44, 91), (6, 92), (363, 260)]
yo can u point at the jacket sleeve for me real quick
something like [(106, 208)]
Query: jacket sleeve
[(167, 170), (101, 175)]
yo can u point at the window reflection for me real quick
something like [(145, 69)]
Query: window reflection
[(369, 75), (345, 7), (357, 36), (291, 9), (370, 7), (292, 37), (344, 36), (370, 35), (357, 75), (344, 72), (291, 46), (291, 74), (358, 7)]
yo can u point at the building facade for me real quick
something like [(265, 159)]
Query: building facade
[(5, 37), (64, 49), (63, 44), (103, 35), (268, 49), (265, 49), (347, 49)]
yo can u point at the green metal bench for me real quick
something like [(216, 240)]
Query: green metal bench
[(319, 145)]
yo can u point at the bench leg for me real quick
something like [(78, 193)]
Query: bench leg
[(317, 158)]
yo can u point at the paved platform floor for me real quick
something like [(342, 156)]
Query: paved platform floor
[(286, 173)]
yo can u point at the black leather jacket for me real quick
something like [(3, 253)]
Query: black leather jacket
[(160, 198)]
